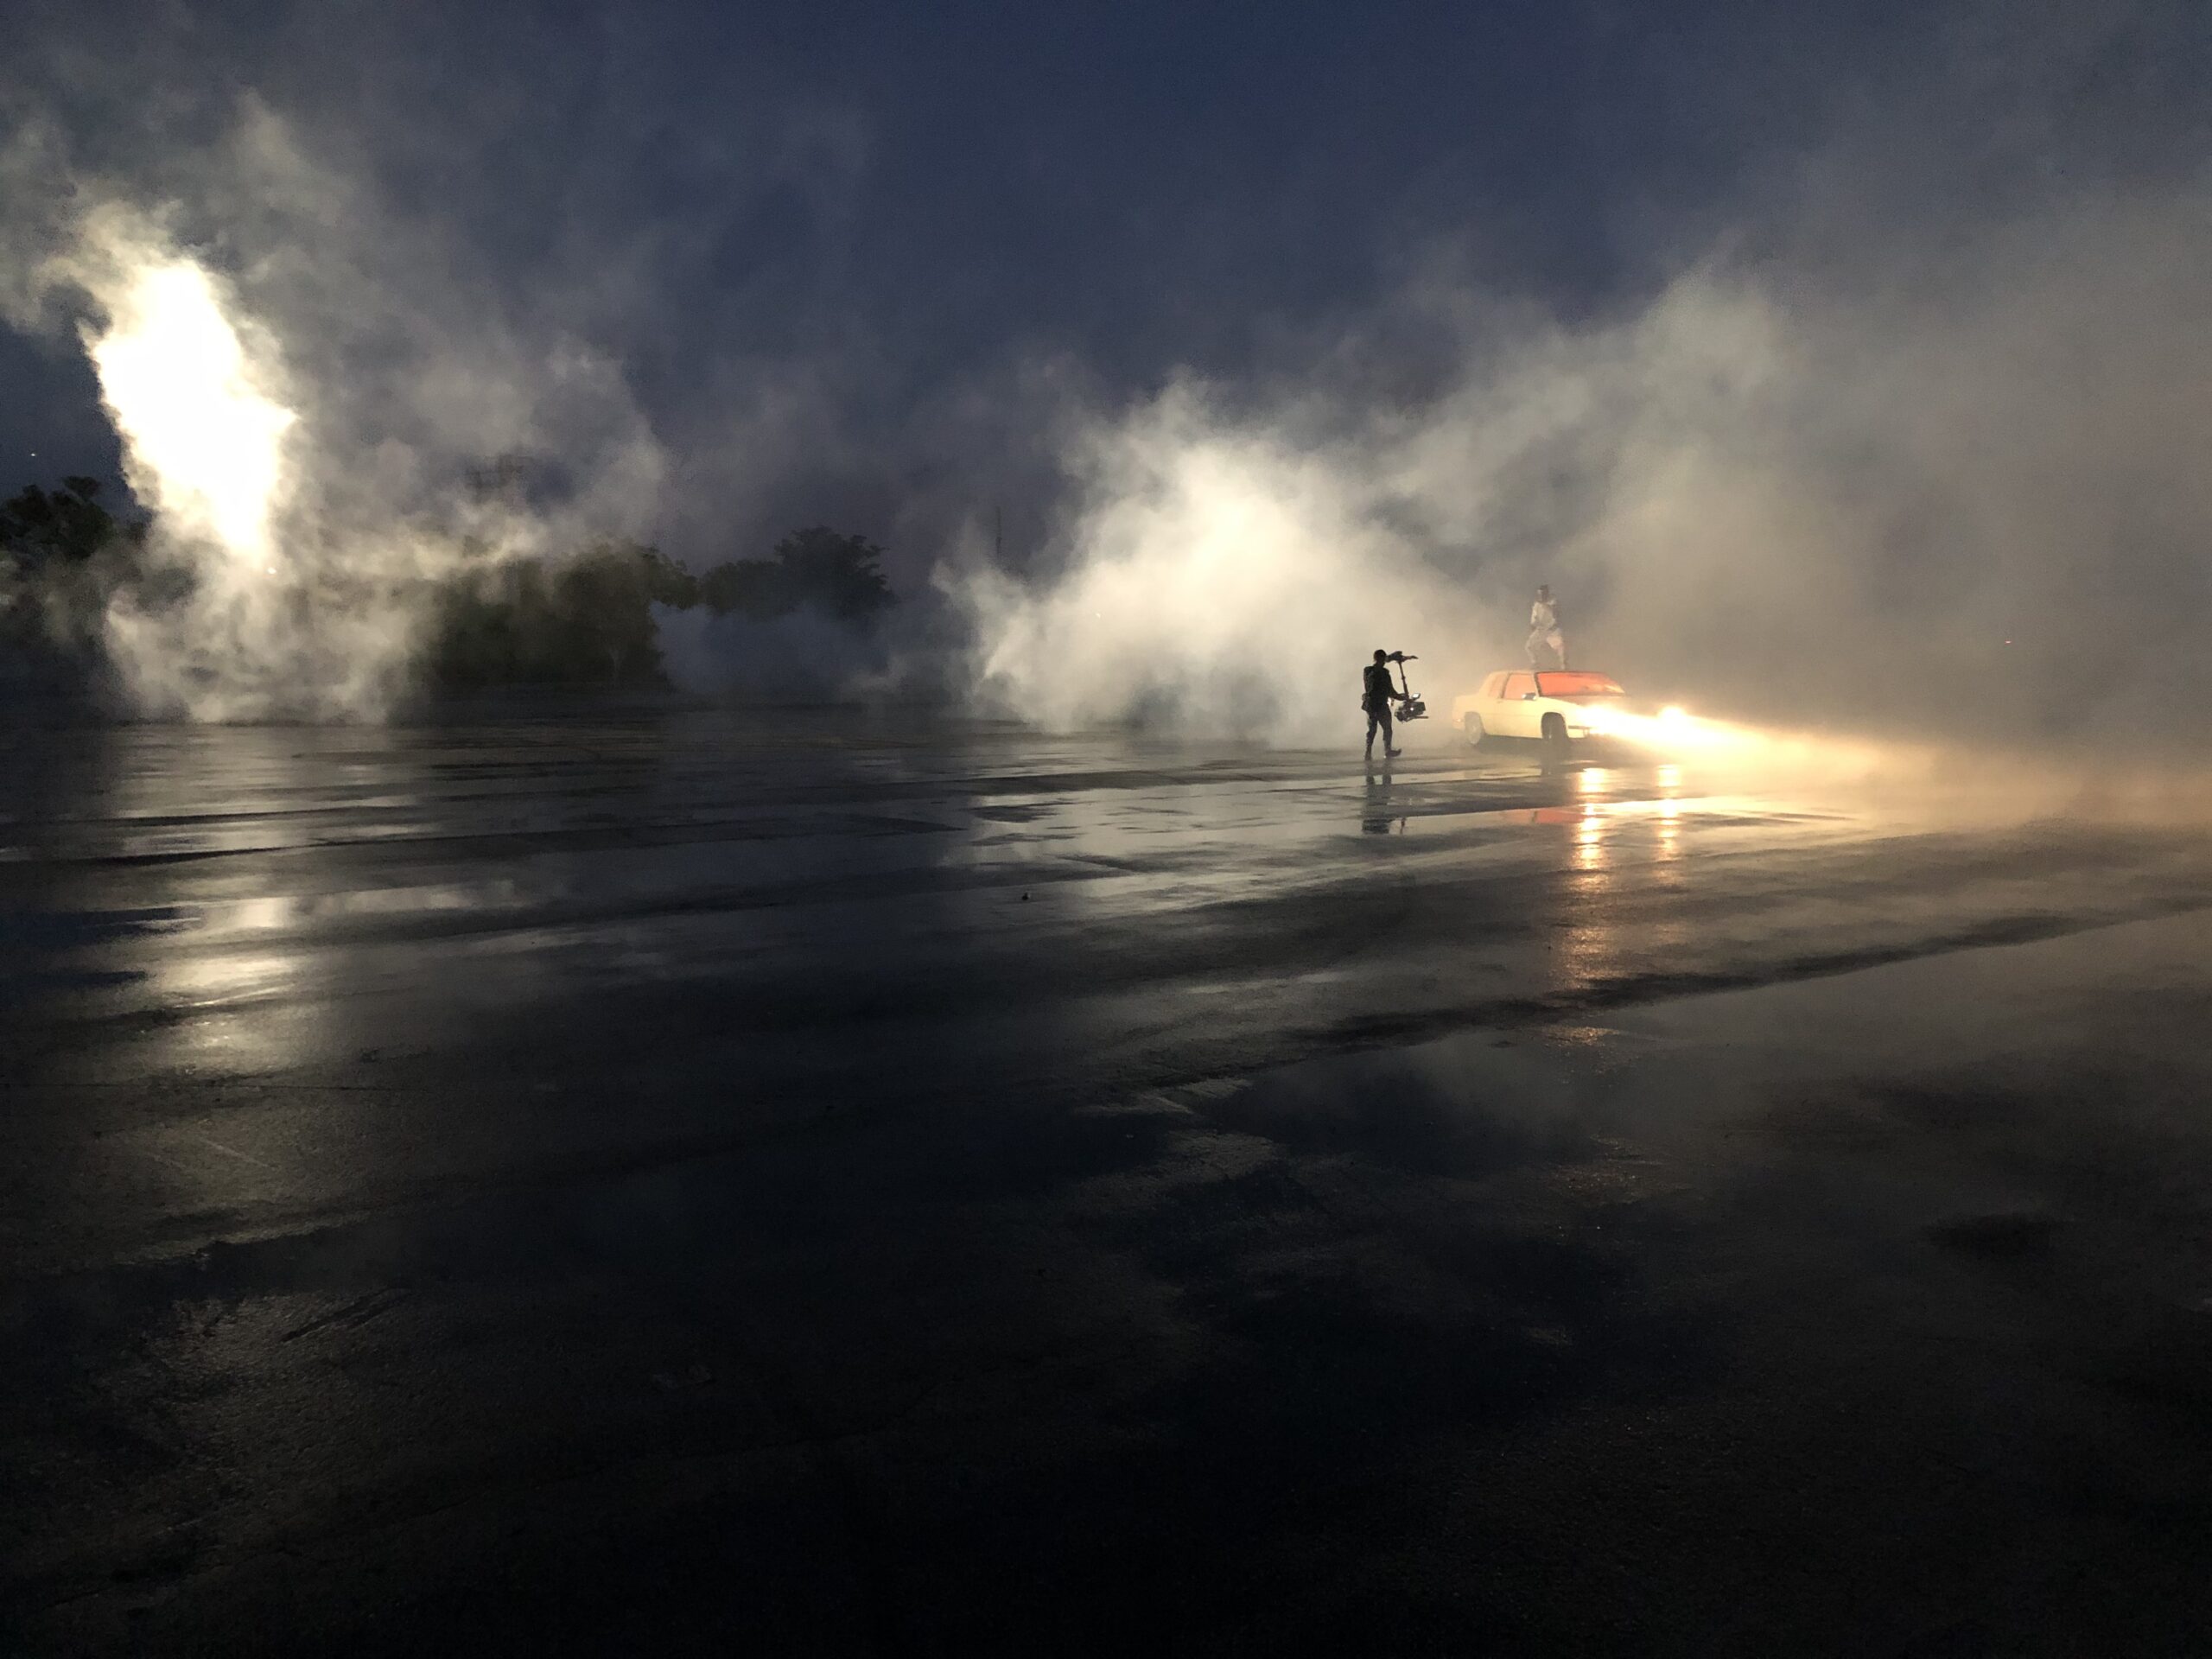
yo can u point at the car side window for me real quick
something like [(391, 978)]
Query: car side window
[(1519, 685), (1494, 687)]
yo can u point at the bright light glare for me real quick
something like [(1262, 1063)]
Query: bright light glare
[(197, 426), (1674, 731)]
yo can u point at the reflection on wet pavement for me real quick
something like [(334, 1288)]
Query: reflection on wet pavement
[(1112, 911), (605, 1158)]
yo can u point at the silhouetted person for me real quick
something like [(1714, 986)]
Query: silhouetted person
[(1544, 628), (1376, 699)]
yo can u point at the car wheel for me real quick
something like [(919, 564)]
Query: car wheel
[(1473, 726), (1555, 730)]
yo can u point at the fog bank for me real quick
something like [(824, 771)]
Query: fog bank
[(1950, 481)]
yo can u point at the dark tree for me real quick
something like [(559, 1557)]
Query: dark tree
[(63, 556), (585, 619), (751, 587), (818, 569), (69, 525), (840, 575)]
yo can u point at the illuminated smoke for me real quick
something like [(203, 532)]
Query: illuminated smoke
[(319, 417), (1221, 579), (280, 580), (254, 618), (203, 441), (1905, 496)]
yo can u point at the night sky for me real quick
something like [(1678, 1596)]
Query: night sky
[(889, 210)]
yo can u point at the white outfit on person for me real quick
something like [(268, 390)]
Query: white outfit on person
[(1544, 630)]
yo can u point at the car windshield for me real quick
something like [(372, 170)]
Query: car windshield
[(1557, 684)]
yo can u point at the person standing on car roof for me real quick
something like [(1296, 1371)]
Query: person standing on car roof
[(1544, 629), (1376, 697)]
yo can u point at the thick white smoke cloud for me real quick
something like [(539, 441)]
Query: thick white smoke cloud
[(1952, 481), (195, 398), (306, 394), (205, 439), (1862, 455), (1224, 577)]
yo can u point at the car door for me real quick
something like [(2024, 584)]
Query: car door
[(1482, 703), (1517, 708)]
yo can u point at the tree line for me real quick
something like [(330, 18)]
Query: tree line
[(580, 618), (587, 618)]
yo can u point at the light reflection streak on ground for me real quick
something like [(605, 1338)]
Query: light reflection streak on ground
[(1236, 899), (279, 912), (1606, 829), (1183, 845)]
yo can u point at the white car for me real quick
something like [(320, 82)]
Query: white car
[(1557, 706)]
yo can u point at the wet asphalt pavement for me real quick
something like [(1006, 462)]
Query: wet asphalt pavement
[(706, 1184)]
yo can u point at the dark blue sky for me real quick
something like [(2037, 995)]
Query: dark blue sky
[(922, 194)]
